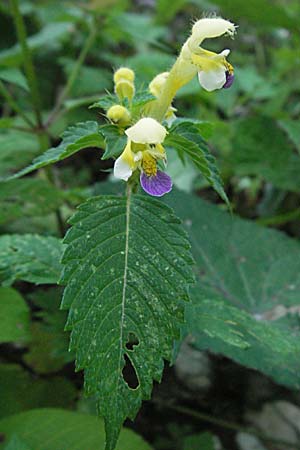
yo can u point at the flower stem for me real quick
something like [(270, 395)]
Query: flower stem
[(47, 172), (27, 60), (181, 73)]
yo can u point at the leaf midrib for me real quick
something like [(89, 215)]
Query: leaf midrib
[(128, 203)]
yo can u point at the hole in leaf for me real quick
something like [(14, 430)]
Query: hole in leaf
[(132, 341), (129, 374)]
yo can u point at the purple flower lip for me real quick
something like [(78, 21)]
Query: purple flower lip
[(156, 185), (229, 80)]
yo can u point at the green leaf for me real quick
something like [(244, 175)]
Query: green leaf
[(115, 141), (14, 76), (139, 29), (75, 138), (167, 10), (247, 275), (17, 149), (28, 197), (260, 147), (90, 80), (186, 138), (31, 258), (127, 267), (259, 12), (292, 128), (43, 356), (266, 346), (217, 320), (201, 441), (48, 350), (51, 429), (14, 316), (142, 98), (16, 444), (20, 391), (105, 102), (48, 36)]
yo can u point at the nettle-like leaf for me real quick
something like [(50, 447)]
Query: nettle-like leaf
[(186, 138), (267, 346), (257, 149), (105, 102), (29, 257), (249, 279), (115, 140), (75, 138), (141, 98), (127, 268)]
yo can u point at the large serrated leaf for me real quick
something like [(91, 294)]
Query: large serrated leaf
[(261, 148), (259, 344), (186, 138), (248, 279), (29, 257), (75, 138), (127, 267)]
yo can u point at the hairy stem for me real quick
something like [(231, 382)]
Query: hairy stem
[(181, 73)]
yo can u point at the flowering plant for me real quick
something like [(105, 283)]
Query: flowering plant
[(127, 264)]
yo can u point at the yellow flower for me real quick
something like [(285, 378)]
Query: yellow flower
[(214, 71), (143, 149), (155, 87)]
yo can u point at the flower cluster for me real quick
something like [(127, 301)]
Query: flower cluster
[(144, 153)]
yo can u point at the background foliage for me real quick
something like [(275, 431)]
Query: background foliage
[(245, 306)]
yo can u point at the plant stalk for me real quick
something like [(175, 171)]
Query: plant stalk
[(13, 104), (73, 75), (27, 61)]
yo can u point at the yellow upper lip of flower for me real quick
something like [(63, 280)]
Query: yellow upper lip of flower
[(147, 131)]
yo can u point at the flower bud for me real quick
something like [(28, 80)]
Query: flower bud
[(119, 115), (157, 83), (124, 74), (124, 89)]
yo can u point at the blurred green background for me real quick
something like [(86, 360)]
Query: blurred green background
[(253, 130)]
